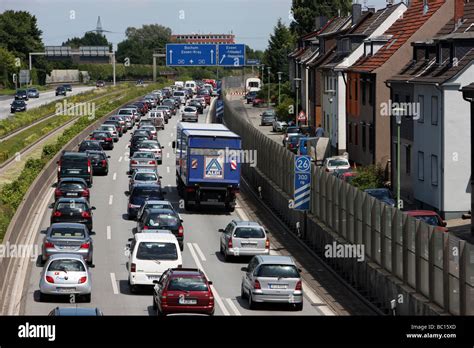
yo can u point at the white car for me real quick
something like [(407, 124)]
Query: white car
[(189, 113), (337, 162), (279, 126), (181, 95), (192, 85), (150, 254)]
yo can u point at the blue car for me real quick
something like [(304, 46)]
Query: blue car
[(382, 194)]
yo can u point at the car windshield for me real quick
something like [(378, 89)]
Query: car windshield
[(66, 266), (187, 284), (249, 232), (145, 177), (103, 135), (19, 103), (189, 109), (278, 271), (71, 186), (158, 206), (292, 130), (146, 191), (72, 207), (160, 220), (429, 219), (148, 146), (69, 232), (143, 155), (157, 251), (337, 163)]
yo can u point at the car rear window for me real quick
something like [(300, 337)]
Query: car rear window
[(71, 186), (187, 284), (71, 206), (145, 176), (178, 94), (157, 251), (429, 219), (66, 266), (336, 163), (145, 191), (249, 232), (143, 155), (97, 156), (148, 146), (278, 271), (68, 232), (189, 109), (160, 220)]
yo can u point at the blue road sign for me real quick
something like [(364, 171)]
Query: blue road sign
[(219, 109), (253, 62), (191, 54), (231, 55), (302, 194)]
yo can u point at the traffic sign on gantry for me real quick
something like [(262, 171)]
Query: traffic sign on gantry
[(231, 55), (190, 54)]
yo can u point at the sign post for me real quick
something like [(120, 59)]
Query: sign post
[(302, 186)]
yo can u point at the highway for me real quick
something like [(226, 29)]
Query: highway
[(110, 290), (44, 98)]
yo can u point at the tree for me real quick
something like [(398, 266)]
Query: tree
[(305, 12), (89, 39), (141, 43), (7, 66), (253, 54), (281, 43)]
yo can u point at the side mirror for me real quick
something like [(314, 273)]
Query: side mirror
[(92, 233), (210, 283), (181, 220), (51, 206), (108, 156), (173, 144), (91, 266), (43, 231), (130, 239), (156, 282), (244, 269), (160, 177), (220, 230), (299, 270), (162, 147), (445, 223), (127, 193), (54, 185), (93, 208)]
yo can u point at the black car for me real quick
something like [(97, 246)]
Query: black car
[(89, 145), (135, 142), (77, 210), (104, 138), (162, 219), (60, 90), (171, 103), (138, 195), (71, 188), (68, 88), (75, 165), (21, 94), (142, 109), (117, 125), (17, 106), (100, 83), (197, 104), (99, 161), (250, 97)]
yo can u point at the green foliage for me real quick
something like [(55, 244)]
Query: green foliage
[(283, 110), (89, 39), (7, 67), (369, 177)]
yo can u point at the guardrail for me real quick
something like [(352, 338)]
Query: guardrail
[(409, 267)]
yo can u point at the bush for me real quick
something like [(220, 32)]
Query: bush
[(283, 110), (369, 177)]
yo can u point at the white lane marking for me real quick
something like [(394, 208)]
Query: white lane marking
[(168, 169), (114, 177), (169, 144), (199, 251), (171, 135), (109, 232), (232, 306), (167, 155), (174, 127), (120, 159), (219, 301), (114, 283), (311, 295), (111, 199)]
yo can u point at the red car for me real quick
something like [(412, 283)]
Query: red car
[(430, 217), (206, 96), (183, 290), (348, 176), (258, 102)]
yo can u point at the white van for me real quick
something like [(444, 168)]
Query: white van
[(150, 255), (253, 84), (179, 84), (181, 95), (192, 85)]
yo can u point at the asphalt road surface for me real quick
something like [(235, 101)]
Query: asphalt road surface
[(110, 290)]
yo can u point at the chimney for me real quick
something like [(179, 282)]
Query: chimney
[(458, 11), (371, 9), (356, 13)]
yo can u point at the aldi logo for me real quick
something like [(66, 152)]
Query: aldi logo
[(233, 165), (213, 168), (194, 163)]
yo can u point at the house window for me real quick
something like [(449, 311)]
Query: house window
[(421, 165), (363, 136), (421, 108), (349, 132), (371, 138), (434, 111), (408, 159), (356, 134), (434, 170), (362, 88)]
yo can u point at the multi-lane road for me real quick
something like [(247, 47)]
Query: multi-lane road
[(110, 290), (45, 98)]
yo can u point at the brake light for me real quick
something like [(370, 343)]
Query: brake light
[(82, 280), (104, 163), (57, 214), (85, 246), (134, 162), (93, 139), (58, 192), (190, 189), (133, 267), (267, 244), (49, 279), (181, 231), (88, 166), (145, 227), (299, 285), (164, 296), (151, 162), (85, 214), (256, 285), (108, 139), (85, 193), (229, 243), (48, 245)]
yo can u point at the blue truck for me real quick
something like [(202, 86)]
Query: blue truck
[(208, 167)]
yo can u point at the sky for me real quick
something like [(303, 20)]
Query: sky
[(252, 21)]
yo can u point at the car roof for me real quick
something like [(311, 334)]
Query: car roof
[(81, 180), (144, 170), (66, 256), (160, 237), (76, 199), (76, 311), (146, 185), (156, 201), (276, 259), (73, 154), (179, 272), (246, 223)]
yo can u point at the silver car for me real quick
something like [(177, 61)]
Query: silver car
[(141, 159), (152, 146), (151, 129), (155, 204), (110, 128), (189, 113), (65, 274), (144, 176), (71, 238), (272, 279), (279, 126), (243, 238)]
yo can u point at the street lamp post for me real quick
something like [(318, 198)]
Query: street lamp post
[(279, 83), (398, 112), (268, 102), (297, 82)]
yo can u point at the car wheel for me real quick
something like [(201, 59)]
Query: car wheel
[(243, 295), (252, 305), (221, 249), (42, 297), (181, 246), (87, 298), (226, 256), (298, 306)]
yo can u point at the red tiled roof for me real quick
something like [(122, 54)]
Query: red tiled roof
[(402, 30)]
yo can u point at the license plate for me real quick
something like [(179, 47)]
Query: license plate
[(74, 171), (153, 277), (249, 245), (71, 194), (213, 200), (68, 247), (66, 290), (183, 301), (277, 286)]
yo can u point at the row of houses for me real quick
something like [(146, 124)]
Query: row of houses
[(410, 59)]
